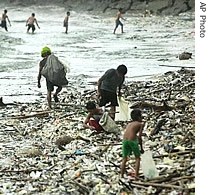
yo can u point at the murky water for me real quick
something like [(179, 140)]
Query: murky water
[(90, 47)]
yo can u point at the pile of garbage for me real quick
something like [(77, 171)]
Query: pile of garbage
[(50, 152)]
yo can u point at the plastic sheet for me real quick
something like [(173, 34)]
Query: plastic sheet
[(123, 109), (148, 165)]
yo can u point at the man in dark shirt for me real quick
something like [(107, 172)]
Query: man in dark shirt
[(107, 87)]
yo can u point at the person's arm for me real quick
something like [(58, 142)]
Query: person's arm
[(99, 87), (39, 75), (85, 124), (119, 91), (123, 18), (8, 20), (27, 22), (140, 136), (120, 87), (37, 23)]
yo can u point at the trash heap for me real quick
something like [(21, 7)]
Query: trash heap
[(50, 152)]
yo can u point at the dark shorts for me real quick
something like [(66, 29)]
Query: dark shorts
[(65, 24), (117, 22), (3, 24), (50, 86), (31, 26), (129, 146), (106, 97)]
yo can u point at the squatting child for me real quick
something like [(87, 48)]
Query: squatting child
[(93, 117)]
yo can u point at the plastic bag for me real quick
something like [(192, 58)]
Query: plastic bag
[(108, 123), (148, 165), (55, 71), (124, 110)]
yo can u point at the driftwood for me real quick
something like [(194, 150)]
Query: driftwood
[(140, 184), (174, 153), (142, 105), (83, 188), (39, 114), (2, 104), (164, 178), (173, 180), (177, 66), (158, 126)]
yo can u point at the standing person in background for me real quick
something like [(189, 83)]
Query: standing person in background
[(50, 86), (131, 141), (30, 23), (107, 87), (66, 21), (3, 20), (118, 22)]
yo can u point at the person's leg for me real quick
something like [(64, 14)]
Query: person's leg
[(50, 88), (95, 124), (137, 166), (112, 110), (33, 28), (114, 103), (66, 29), (116, 25), (58, 90), (124, 160), (115, 29), (28, 28), (49, 98), (121, 26)]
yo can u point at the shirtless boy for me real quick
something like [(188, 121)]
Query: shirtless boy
[(3, 20), (30, 23), (131, 141), (118, 22), (66, 21)]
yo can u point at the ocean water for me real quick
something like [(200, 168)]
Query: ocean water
[(149, 47)]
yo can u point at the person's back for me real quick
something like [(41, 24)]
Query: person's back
[(132, 130)]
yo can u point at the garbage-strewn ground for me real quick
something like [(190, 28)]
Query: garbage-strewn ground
[(49, 152)]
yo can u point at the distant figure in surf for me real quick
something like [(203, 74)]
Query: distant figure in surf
[(66, 21), (30, 23), (118, 22), (3, 20)]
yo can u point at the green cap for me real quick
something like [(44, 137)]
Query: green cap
[(45, 50)]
